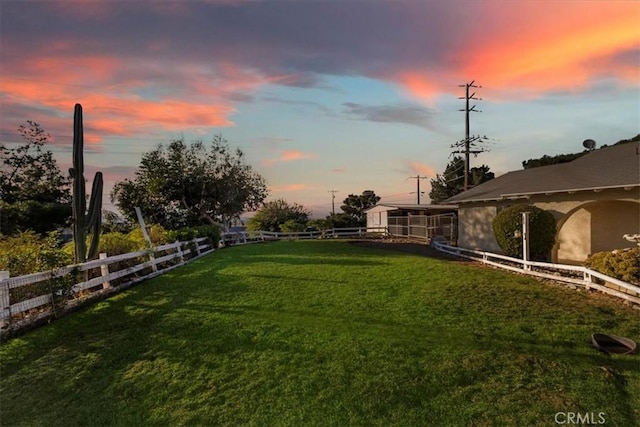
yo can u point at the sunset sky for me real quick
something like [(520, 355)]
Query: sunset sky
[(322, 94)]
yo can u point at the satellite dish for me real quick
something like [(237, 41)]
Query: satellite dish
[(589, 144)]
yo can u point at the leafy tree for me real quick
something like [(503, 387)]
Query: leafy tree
[(354, 207), (340, 220), (547, 160), (451, 182), (551, 160), (32, 215), (114, 223), (34, 193), (626, 141), (274, 214), (292, 226), (318, 224), (179, 185)]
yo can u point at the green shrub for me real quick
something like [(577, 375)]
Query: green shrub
[(182, 234), (28, 252), (117, 244), (623, 264), (190, 233), (111, 244), (157, 234), (211, 231), (292, 226), (542, 226), (33, 215)]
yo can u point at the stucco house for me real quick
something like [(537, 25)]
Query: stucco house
[(595, 199)]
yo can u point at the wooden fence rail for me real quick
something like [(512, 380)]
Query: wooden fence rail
[(251, 236), (574, 274), (163, 258), (167, 257)]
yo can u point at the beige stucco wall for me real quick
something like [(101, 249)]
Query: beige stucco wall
[(474, 228), (595, 227), (573, 239), (588, 222)]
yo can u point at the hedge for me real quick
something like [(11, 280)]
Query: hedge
[(542, 231)]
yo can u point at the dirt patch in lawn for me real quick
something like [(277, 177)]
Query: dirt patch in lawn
[(408, 247)]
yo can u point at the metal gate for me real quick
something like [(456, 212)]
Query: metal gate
[(424, 227)]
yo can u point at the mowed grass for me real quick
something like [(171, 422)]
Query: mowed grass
[(325, 333)]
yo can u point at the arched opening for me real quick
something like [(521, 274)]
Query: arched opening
[(595, 227)]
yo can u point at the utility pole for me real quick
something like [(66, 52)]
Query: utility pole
[(333, 201), (418, 178), (468, 141)]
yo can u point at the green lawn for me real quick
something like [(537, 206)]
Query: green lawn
[(325, 333)]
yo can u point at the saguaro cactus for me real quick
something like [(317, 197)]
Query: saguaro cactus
[(84, 221)]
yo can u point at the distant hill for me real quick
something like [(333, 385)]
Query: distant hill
[(564, 158)]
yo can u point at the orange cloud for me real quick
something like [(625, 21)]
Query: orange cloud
[(289, 187), (557, 53), (53, 86), (288, 156), (422, 169), (418, 84), (534, 47), (110, 114)]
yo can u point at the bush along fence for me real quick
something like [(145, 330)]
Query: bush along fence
[(28, 299), (573, 274)]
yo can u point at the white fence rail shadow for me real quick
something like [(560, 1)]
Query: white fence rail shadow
[(25, 299), (574, 274)]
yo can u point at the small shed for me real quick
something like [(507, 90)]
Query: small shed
[(415, 221)]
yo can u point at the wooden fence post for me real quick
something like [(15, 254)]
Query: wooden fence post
[(180, 253), (152, 258), (525, 240), (104, 271), (5, 301), (195, 242)]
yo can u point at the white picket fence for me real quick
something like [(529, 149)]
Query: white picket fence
[(167, 257), (335, 233), (574, 274), (171, 255)]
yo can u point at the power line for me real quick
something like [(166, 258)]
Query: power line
[(418, 178), (333, 201), (469, 142)]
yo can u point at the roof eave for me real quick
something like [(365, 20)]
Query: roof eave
[(527, 195)]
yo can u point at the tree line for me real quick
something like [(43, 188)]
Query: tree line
[(279, 215), (185, 185)]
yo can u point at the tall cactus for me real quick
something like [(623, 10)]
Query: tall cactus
[(84, 222)]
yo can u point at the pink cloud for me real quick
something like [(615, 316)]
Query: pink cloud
[(289, 187), (421, 169), (288, 156), (117, 109), (530, 50)]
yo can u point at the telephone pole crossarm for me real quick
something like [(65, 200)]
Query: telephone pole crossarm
[(333, 201), (465, 146), (418, 178)]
